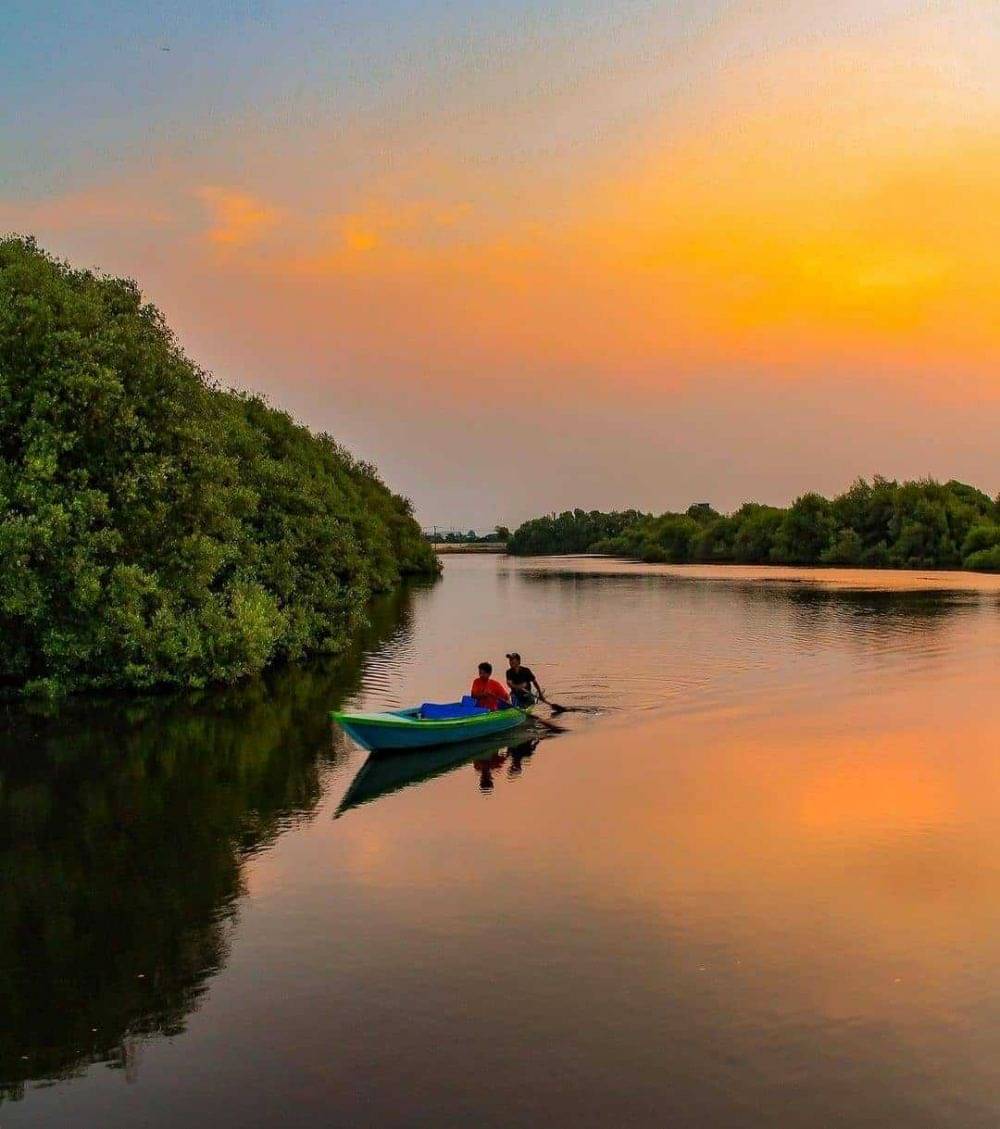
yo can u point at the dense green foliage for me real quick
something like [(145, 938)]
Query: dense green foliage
[(155, 529), (878, 524), (574, 531), (456, 537)]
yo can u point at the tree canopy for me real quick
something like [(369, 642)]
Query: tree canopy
[(574, 531), (156, 529), (877, 524)]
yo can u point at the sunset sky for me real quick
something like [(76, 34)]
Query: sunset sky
[(531, 256)]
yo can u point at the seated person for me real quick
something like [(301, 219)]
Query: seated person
[(487, 691), (520, 680)]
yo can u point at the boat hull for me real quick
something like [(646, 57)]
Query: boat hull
[(379, 732)]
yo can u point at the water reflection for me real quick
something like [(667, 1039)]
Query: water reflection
[(793, 881), (124, 830), (633, 637), (518, 754), (513, 757), (385, 773)]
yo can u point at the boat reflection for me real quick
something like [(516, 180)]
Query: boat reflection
[(385, 773)]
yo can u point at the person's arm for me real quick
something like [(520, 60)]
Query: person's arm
[(541, 692)]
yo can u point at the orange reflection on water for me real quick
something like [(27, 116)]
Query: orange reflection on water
[(892, 790)]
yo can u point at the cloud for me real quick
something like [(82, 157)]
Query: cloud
[(239, 219)]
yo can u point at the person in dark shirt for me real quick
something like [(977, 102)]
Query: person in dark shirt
[(520, 680)]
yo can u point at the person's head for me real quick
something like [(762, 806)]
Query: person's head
[(514, 659), (485, 670)]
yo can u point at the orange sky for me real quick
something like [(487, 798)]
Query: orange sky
[(612, 258)]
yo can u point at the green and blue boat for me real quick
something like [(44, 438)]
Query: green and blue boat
[(428, 726)]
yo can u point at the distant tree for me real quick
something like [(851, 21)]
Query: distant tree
[(805, 531), (702, 512), (670, 537), (985, 535), (923, 533), (847, 548), (716, 540), (984, 560), (757, 529), (868, 509)]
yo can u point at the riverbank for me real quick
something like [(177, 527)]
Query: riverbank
[(763, 576), (443, 547)]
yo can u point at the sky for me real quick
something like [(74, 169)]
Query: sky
[(526, 257)]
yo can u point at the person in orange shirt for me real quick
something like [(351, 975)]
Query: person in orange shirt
[(487, 691)]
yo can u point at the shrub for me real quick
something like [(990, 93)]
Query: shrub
[(984, 560)]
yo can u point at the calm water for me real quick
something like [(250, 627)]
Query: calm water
[(758, 885)]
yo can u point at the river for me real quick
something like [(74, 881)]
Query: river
[(755, 882)]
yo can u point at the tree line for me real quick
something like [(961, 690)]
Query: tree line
[(499, 535), (156, 529), (876, 524)]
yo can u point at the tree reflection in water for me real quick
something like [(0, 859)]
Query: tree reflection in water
[(124, 827)]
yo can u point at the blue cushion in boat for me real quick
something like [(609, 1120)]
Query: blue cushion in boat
[(467, 707)]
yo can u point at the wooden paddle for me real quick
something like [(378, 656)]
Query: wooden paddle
[(555, 707), (549, 725)]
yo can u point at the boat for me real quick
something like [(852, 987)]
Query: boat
[(428, 726)]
